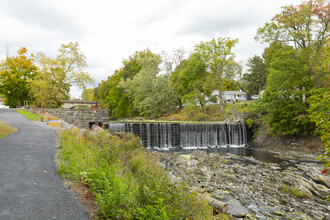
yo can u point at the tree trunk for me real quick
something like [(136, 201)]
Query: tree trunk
[(201, 103), (220, 100), (217, 205)]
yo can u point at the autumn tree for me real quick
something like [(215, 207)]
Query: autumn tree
[(57, 75), (15, 73), (219, 60)]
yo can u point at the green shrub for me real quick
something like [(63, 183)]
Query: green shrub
[(249, 122), (128, 183), (294, 190)]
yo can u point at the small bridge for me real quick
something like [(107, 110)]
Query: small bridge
[(77, 103)]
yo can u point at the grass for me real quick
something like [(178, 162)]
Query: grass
[(294, 190), (30, 116), (6, 130), (127, 181)]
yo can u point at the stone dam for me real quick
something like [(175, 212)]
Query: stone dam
[(165, 136)]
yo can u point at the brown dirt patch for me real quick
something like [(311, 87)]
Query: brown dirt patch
[(85, 197)]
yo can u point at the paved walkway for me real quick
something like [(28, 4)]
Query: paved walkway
[(30, 187)]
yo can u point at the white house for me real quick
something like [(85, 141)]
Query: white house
[(231, 96)]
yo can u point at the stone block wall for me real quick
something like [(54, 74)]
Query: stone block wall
[(81, 118)]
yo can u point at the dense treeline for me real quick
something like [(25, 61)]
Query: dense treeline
[(142, 88)]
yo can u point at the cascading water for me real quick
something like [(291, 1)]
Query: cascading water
[(185, 135)]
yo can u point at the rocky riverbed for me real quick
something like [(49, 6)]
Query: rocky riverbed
[(292, 188)]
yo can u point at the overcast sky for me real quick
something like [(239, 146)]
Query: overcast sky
[(109, 31)]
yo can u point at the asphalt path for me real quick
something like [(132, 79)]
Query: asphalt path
[(30, 187)]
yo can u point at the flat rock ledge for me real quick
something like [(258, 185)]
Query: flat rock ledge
[(254, 189)]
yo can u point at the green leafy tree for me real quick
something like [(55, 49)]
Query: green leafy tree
[(15, 73), (284, 96), (87, 94), (119, 102), (218, 58), (57, 75), (292, 69), (232, 85), (109, 91), (190, 81), (255, 79), (319, 101), (151, 93)]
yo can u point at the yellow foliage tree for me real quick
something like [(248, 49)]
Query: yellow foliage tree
[(56, 75), (15, 73)]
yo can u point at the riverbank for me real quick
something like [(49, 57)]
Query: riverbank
[(125, 181), (292, 188)]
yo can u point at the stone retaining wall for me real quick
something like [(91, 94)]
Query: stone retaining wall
[(81, 118)]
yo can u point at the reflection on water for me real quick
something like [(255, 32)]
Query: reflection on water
[(261, 155)]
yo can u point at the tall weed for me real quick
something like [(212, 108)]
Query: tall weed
[(128, 183)]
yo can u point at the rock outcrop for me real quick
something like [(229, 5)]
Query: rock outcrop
[(253, 188)]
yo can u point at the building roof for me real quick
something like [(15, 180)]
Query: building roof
[(234, 92), (229, 93)]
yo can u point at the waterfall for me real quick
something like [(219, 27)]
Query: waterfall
[(185, 135)]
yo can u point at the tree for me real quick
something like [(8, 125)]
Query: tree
[(285, 95), (190, 81), (174, 61), (109, 91), (151, 93), (120, 103), (255, 78), (57, 75), (87, 94), (45, 86), (319, 101), (305, 25), (219, 60), (293, 75), (15, 73)]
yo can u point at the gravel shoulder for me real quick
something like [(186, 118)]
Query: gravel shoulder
[(30, 185)]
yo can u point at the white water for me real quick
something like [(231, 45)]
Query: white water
[(167, 136)]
